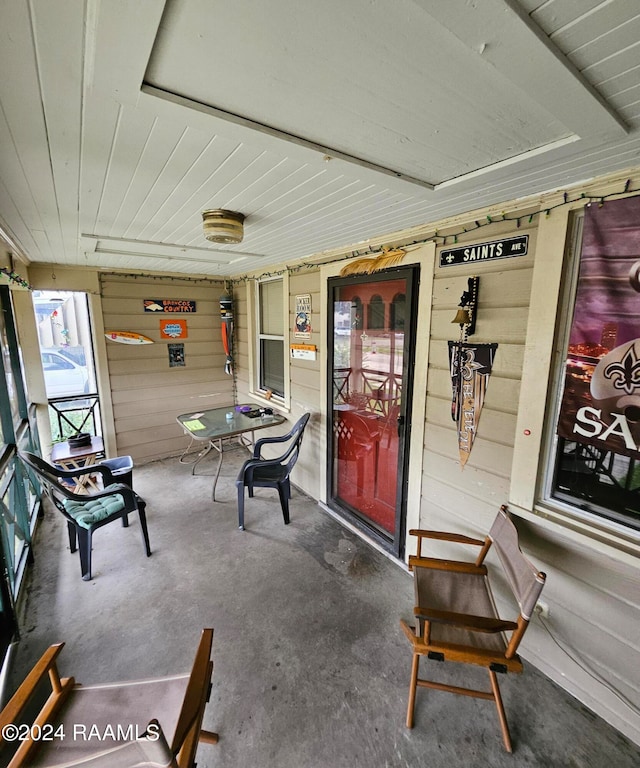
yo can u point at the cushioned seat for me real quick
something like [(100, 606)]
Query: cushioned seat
[(85, 513)]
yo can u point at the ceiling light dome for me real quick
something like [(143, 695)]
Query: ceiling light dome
[(221, 226)]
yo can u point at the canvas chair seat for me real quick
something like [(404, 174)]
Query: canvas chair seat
[(145, 723), (89, 724), (464, 594)]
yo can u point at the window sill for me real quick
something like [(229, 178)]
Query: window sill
[(615, 541), (272, 402)]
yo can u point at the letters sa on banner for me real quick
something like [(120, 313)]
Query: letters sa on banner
[(601, 399)]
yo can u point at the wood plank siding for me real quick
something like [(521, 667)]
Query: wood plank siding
[(146, 393), (591, 637), (590, 643)]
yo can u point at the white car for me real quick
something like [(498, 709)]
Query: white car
[(63, 376)]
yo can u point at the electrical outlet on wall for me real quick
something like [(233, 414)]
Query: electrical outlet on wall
[(542, 609)]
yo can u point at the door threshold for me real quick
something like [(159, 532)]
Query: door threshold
[(362, 535)]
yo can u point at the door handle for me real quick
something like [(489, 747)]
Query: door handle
[(400, 424)]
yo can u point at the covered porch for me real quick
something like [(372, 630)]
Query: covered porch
[(310, 665)]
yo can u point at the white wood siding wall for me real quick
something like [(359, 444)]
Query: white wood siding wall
[(591, 639), (146, 393), (502, 313), (592, 630), (305, 375)]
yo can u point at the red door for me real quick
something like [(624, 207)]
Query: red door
[(372, 322)]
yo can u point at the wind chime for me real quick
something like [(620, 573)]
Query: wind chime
[(470, 367), (226, 317)]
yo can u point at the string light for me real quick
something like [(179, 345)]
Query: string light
[(436, 238), (14, 277), (439, 239)]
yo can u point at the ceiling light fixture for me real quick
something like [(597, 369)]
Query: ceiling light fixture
[(221, 226)]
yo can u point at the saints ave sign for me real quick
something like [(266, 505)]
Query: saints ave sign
[(506, 248)]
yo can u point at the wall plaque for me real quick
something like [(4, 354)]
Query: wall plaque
[(169, 305), (506, 248)]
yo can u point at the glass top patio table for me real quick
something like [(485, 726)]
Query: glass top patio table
[(216, 426)]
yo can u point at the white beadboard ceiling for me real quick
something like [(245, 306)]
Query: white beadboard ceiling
[(326, 124)]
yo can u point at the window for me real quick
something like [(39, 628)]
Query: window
[(398, 312), (271, 322), (375, 314), (66, 354), (595, 451)]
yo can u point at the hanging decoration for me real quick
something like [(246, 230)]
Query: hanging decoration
[(14, 277), (302, 328), (64, 332), (226, 316), (128, 337), (372, 253), (174, 328), (373, 263), (176, 355), (169, 305), (470, 366), (601, 398)]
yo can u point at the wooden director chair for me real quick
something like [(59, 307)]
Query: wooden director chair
[(455, 614), (141, 723)]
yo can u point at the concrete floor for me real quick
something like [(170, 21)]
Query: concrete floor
[(311, 667)]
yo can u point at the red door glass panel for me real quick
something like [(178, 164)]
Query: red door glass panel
[(368, 367)]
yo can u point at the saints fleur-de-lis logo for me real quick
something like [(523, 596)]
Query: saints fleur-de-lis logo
[(625, 375), (469, 365)]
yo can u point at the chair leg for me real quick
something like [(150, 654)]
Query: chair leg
[(142, 505), (72, 536), (413, 686), (241, 506), (501, 713), (125, 519), (84, 545), (284, 502)]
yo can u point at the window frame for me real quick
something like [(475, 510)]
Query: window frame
[(257, 390), (550, 494), (554, 242)]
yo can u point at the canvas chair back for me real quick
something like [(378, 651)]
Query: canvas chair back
[(525, 580)]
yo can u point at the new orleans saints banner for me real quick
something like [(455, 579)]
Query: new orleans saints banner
[(470, 366), (601, 398)]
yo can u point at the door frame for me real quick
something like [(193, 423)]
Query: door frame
[(409, 274), (424, 256)]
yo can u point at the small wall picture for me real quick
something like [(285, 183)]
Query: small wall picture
[(302, 328), (173, 328), (176, 355)]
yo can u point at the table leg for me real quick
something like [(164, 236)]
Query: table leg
[(194, 462), (84, 481), (217, 444), (218, 448)]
